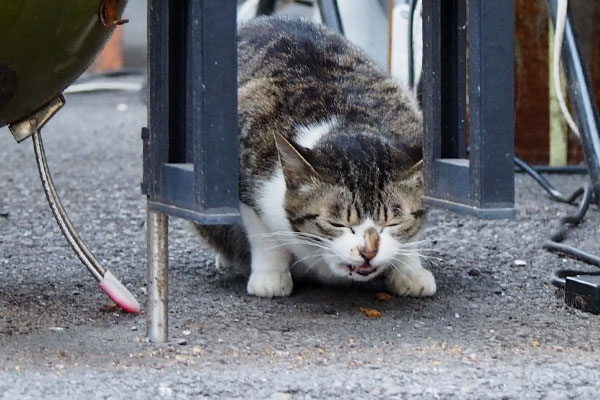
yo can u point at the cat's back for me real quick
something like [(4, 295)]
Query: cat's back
[(296, 47), (294, 74)]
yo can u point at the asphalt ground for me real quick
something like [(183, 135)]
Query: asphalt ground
[(493, 331)]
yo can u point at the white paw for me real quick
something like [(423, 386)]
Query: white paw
[(416, 283), (270, 283)]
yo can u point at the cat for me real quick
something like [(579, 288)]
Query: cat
[(330, 165)]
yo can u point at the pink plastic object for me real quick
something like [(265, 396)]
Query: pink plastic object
[(119, 293)]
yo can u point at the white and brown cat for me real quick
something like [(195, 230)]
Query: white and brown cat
[(330, 165)]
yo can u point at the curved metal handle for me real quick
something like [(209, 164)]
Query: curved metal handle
[(111, 285), (85, 255)]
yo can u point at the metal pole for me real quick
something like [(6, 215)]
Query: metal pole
[(158, 264), (330, 13), (582, 98)]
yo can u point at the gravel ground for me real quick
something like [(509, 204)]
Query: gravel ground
[(493, 330)]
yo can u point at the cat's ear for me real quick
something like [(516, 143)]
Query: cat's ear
[(412, 176), (293, 159)]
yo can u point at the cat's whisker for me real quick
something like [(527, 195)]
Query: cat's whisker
[(311, 255), (396, 267), (311, 265), (419, 242), (328, 250), (290, 238), (419, 255), (424, 259), (442, 252), (283, 244), (292, 233)]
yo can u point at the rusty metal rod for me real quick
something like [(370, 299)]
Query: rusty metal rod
[(158, 264)]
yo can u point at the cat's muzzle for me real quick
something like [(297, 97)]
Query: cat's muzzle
[(364, 269)]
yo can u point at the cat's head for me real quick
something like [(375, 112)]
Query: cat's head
[(354, 202)]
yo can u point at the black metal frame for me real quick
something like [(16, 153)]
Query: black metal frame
[(481, 182), (191, 145)]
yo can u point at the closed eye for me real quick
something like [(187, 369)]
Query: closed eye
[(391, 225), (338, 225)]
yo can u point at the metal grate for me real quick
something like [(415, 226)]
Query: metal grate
[(468, 96)]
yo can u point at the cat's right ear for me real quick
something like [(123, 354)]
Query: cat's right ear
[(296, 167)]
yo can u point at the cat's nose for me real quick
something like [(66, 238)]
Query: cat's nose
[(368, 255), (369, 251)]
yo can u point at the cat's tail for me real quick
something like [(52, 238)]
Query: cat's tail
[(229, 242)]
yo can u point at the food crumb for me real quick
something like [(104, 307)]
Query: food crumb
[(382, 296), (371, 313)]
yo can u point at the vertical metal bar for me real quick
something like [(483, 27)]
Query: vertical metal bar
[(453, 79), (330, 14), (179, 149), (432, 89), (157, 285), (212, 102), (158, 96), (491, 102), (583, 100)]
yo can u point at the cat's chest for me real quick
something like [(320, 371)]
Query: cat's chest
[(271, 202)]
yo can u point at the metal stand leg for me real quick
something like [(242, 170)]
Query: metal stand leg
[(31, 126), (158, 265)]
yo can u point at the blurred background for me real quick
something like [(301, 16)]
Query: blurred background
[(541, 134)]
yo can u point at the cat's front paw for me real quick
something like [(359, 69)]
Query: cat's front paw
[(415, 283), (270, 283)]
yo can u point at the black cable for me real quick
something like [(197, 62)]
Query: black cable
[(548, 187), (559, 169), (558, 277), (586, 194)]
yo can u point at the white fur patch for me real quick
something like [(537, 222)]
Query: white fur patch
[(247, 11), (271, 203), (270, 274), (308, 136)]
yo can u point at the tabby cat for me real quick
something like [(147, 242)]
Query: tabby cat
[(330, 165)]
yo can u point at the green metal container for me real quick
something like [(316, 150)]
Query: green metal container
[(45, 45)]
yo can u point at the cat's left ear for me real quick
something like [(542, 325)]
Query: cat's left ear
[(413, 176), (294, 161)]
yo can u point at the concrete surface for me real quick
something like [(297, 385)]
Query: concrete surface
[(494, 330)]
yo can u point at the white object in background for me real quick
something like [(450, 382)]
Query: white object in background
[(559, 32), (400, 60), (365, 23), (247, 10), (316, 14), (417, 43)]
